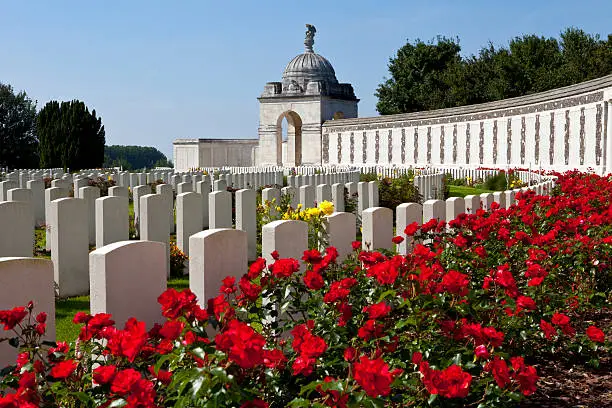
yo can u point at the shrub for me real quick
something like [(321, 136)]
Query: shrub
[(177, 260), (102, 183), (395, 191)]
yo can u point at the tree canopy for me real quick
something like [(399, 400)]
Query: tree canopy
[(18, 142), (434, 75), (70, 136), (134, 157)]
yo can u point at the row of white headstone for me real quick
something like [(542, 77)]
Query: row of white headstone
[(125, 278), (73, 224)]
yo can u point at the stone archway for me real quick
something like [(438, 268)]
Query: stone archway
[(293, 155)]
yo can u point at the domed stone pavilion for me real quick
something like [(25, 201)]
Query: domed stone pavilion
[(308, 95)]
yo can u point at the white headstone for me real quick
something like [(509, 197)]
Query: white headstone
[(486, 199), (17, 229), (112, 220), (288, 237), (220, 209), (363, 202), (338, 196), (406, 214), (472, 203), (70, 246), (37, 187), (137, 193), (246, 218), (324, 193), (373, 194), (90, 195), (154, 222), (184, 187), (434, 209), (342, 231), (203, 188), (118, 191), (209, 262), (188, 218), (23, 280), (454, 207), (377, 228), (307, 196), (126, 279)]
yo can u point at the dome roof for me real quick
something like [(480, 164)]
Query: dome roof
[(309, 74), (309, 66)]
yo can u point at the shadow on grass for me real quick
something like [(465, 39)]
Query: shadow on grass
[(65, 309)]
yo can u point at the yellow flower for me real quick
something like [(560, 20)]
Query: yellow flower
[(278, 209), (326, 207), (313, 212), (299, 206)]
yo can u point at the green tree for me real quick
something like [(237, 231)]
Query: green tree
[(18, 142), (70, 136), (421, 75), (134, 157), (432, 75), (585, 56)]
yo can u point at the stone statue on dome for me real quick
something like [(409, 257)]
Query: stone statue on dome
[(310, 33)]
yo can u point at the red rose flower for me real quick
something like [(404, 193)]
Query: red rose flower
[(374, 376), (124, 380), (378, 310), (548, 329), (595, 334), (229, 285), (284, 268), (249, 289), (482, 352), (256, 268), (172, 329), (63, 369), (313, 280), (560, 319), (455, 283), (242, 344), (411, 229), (104, 374), (11, 318), (397, 240), (500, 371)]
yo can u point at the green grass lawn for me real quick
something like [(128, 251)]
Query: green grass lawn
[(65, 309), (462, 191)]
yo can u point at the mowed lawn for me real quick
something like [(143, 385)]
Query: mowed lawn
[(462, 191)]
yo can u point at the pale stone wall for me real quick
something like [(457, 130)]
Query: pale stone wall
[(561, 129), (199, 153)]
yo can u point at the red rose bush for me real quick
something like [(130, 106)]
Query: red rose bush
[(461, 320)]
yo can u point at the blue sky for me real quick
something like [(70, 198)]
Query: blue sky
[(160, 70)]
